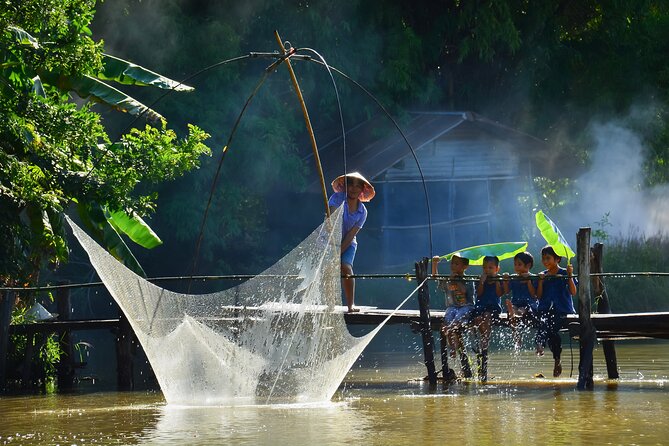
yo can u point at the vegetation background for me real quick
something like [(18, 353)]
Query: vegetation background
[(549, 69), (555, 70)]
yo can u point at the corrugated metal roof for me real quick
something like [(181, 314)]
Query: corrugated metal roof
[(375, 146)]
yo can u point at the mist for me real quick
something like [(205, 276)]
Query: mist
[(612, 195)]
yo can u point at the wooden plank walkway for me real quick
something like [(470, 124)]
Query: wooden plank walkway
[(609, 326)]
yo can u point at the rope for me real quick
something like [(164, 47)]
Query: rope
[(406, 140), (196, 254), (406, 276), (341, 115)]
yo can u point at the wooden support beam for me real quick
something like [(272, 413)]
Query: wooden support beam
[(65, 370), (603, 306), (6, 307), (587, 333), (124, 354), (425, 328)]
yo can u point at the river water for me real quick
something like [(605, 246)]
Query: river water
[(379, 403)]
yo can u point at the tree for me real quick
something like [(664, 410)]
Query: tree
[(55, 154)]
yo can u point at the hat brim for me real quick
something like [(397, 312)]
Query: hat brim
[(368, 192)]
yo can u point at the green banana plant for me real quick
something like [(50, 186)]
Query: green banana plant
[(96, 89), (104, 225)]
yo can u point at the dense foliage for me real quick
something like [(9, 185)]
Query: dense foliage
[(55, 153), (548, 68)]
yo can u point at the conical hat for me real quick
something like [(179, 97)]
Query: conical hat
[(368, 192)]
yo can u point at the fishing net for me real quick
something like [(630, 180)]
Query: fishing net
[(275, 338)]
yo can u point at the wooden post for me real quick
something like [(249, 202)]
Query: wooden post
[(66, 364), (603, 307), (124, 356), (587, 333), (425, 327), (6, 307)]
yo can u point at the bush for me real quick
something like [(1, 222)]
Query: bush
[(637, 253)]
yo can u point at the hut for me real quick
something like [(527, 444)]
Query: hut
[(476, 171)]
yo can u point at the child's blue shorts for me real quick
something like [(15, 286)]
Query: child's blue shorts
[(348, 255), (457, 314)]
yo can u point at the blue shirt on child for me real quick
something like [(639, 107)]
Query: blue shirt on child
[(520, 294), (556, 294), (489, 298), (356, 218)]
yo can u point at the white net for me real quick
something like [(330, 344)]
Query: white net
[(275, 338)]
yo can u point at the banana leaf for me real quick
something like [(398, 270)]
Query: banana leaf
[(93, 218), (134, 227), (128, 73), (553, 236), (98, 91), (475, 254), (23, 37)]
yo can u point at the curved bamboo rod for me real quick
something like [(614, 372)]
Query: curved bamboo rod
[(310, 130)]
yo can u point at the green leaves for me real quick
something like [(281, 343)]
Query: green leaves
[(22, 37), (127, 73), (475, 254), (550, 232), (93, 217), (54, 152), (89, 87), (135, 228)]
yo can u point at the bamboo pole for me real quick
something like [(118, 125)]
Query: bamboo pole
[(310, 130)]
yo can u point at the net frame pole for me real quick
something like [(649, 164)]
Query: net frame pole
[(307, 121)]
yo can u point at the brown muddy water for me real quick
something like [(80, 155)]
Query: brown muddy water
[(379, 404)]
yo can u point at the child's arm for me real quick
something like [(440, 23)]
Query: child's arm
[(499, 289), (481, 285), (348, 238), (530, 287), (572, 285), (435, 263), (540, 286)]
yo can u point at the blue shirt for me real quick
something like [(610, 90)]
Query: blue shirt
[(351, 220), (489, 297), (520, 294), (556, 294)]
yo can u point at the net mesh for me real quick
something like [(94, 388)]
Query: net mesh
[(277, 337)]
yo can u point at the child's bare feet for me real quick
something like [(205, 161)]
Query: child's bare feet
[(557, 369)]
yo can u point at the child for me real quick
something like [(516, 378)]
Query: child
[(488, 305), (459, 304), (352, 190), (523, 304), (555, 302)]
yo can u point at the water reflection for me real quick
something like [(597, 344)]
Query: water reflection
[(378, 405), (326, 423)]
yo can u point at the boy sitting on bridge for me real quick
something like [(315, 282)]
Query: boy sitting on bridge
[(459, 304), (488, 306)]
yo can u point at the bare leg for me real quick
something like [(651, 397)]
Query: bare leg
[(485, 326), (349, 287)]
